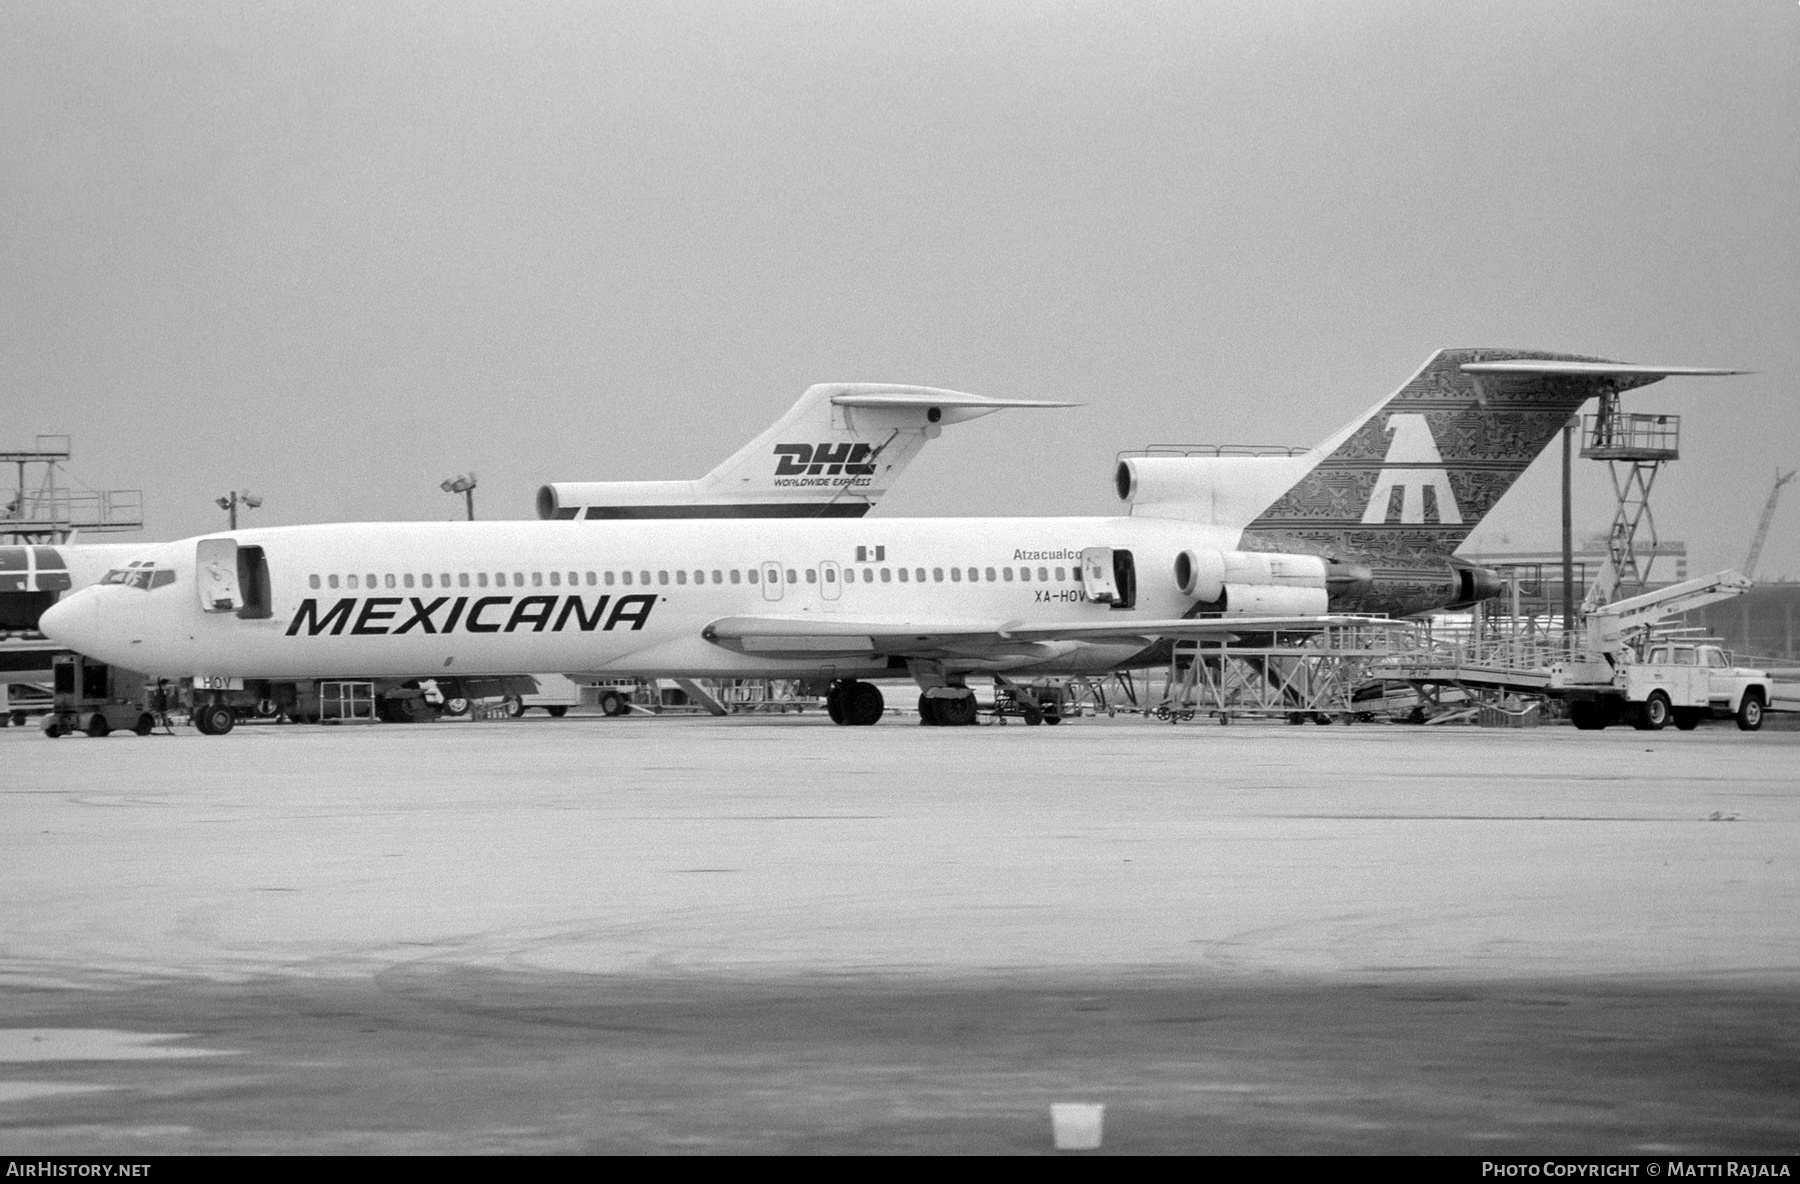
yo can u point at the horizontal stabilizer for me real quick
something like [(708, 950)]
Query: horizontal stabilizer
[(1595, 369), (928, 397)]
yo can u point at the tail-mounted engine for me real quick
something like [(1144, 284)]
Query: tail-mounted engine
[(1267, 583), (1474, 584)]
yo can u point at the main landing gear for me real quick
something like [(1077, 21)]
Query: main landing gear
[(956, 711), (854, 704)]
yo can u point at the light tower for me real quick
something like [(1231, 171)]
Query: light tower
[(233, 500), (465, 485)]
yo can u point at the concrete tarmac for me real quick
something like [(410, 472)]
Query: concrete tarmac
[(778, 935)]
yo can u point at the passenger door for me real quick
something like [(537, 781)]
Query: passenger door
[(828, 580), (216, 576), (1109, 576), (771, 580), (1097, 575)]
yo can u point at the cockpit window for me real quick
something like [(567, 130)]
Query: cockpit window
[(142, 574)]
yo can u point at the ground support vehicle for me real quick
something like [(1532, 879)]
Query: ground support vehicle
[(612, 698), (20, 701), (555, 693), (98, 699), (215, 705), (1678, 682), (1618, 669), (1035, 703)]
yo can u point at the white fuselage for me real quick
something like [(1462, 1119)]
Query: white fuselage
[(426, 599)]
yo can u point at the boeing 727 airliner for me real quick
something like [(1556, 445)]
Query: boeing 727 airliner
[(1367, 522)]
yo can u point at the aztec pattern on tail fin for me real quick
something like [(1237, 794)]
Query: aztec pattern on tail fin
[(1402, 488)]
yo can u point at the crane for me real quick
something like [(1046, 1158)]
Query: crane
[(1607, 625), (1762, 528)]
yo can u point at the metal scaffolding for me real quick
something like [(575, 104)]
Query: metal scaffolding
[(1635, 447), (1323, 675), (47, 510)]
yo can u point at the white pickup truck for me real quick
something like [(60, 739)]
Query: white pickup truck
[(1679, 682)]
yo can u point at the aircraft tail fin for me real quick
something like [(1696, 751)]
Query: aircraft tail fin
[(1415, 474), (832, 455)]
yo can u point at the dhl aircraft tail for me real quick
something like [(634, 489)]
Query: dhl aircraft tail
[(833, 455)]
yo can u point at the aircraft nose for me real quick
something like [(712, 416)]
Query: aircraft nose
[(73, 621)]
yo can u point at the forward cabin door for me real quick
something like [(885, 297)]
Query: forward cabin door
[(828, 580), (771, 580), (1109, 576), (1097, 575), (216, 576)]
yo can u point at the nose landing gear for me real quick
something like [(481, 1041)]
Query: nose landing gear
[(214, 719)]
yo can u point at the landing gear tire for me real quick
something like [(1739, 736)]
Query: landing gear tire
[(214, 719), (1587, 716), (97, 727), (855, 704), (865, 705), (1654, 715), (948, 713), (558, 711), (146, 724), (1750, 713)]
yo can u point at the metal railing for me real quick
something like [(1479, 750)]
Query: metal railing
[(1214, 450), (1631, 436), (60, 510)]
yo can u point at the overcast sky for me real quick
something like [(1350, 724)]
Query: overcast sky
[(337, 252)]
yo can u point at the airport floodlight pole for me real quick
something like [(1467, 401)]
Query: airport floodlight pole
[(231, 503), (1568, 527), (464, 485)]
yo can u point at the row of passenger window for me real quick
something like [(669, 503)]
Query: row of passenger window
[(575, 579)]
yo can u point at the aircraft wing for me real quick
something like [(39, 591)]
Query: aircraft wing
[(926, 638)]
